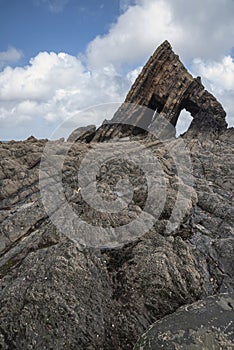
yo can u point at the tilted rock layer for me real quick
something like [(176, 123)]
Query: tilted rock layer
[(165, 86), (57, 294)]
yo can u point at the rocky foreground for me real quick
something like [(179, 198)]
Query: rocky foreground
[(59, 293)]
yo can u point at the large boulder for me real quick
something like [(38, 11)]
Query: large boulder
[(206, 325)]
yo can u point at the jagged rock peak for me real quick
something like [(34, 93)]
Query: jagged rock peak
[(164, 85)]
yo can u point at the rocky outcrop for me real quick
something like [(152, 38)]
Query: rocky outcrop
[(166, 87), (56, 293), (207, 324), (82, 134)]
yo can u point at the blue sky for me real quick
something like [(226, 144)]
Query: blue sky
[(58, 57), (33, 25)]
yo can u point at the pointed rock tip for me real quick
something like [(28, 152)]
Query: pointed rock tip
[(166, 43), (164, 46)]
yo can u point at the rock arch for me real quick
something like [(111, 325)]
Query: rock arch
[(165, 85)]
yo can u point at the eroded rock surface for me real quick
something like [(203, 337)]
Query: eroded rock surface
[(58, 294), (82, 134), (207, 324)]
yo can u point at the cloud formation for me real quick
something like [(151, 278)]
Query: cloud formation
[(124, 4), (11, 55), (137, 32), (52, 88), (218, 78), (201, 28)]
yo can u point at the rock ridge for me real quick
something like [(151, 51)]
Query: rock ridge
[(166, 87)]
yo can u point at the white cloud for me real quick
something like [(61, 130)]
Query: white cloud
[(207, 27), (134, 36), (124, 4), (220, 74), (201, 28), (218, 77), (38, 80), (132, 75), (11, 55), (52, 88)]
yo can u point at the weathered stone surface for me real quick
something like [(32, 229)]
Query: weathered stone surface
[(82, 134), (207, 324), (165, 86), (56, 294)]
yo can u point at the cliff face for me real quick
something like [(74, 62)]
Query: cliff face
[(165, 86), (58, 294)]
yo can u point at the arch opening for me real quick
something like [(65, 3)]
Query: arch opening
[(183, 122)]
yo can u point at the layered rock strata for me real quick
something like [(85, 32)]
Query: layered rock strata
[(165, 87)]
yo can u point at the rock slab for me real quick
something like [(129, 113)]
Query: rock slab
[(206, 325)]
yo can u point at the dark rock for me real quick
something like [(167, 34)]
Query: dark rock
[(82, 134), (207, 324), (31, 138), (43, 274)]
